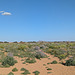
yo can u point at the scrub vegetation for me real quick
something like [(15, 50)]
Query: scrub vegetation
[(30, 52)]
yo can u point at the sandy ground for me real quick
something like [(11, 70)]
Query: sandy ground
[(57, 69)]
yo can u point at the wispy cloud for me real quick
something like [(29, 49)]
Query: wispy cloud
[(5, 13), (1, 11)]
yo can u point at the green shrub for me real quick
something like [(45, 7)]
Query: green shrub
[(48, 63), (38, 56), (0, 60), (54, 62), (24, 62), (10, 73), (30, 60), (1, 66), (15, 61), (70, 62), (62, 56), (46, 67), (7, 65), (44, 64), (36, 72), (21, 47), (49, 69), (25, 71), (22, 69), (14, 69), (49, 58), (22, 59), (8, 60), (49, 72)]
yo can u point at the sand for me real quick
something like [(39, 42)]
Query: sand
[(57, 69)]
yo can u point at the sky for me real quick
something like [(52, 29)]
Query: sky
[(37, 20)]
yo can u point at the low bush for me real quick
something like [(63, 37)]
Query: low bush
[(22, 59), (44, 64), (49, 72), (25, 72), (10, 73), (37, 48), (54, 62), (48, 63), (49, 69), (49, 58), (36, 72), (30, 60), (22, 69), (24, 62), (62, 56), (14, 69), (40, 54), (70, 62), (7, 65), (8, 61)]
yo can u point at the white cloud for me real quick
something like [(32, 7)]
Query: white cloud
[(6, 13), (1, 11)]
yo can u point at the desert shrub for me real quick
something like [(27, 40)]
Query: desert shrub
[(37, 48), (46, 67), (25, 72), (52, 47), (22, 47), (39, 55), (49, 69), (42, 47), (44, 64), (49, 72), (14, 69), (52, 52), (20, 56), (1, 66), (8, 60), (7, 50), (10, 73), (48, 63), (1, 49), (54, 62), (0, 60), (48, 51), (36, 72), (70, 62), (49, 58), (7, 65), (22, 69), (22, 59), (62, 56), (6, 42), (24, 62), (15, 42), (30, 60), (10, 54)]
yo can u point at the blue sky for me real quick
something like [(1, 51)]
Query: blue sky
[(34, 20)]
